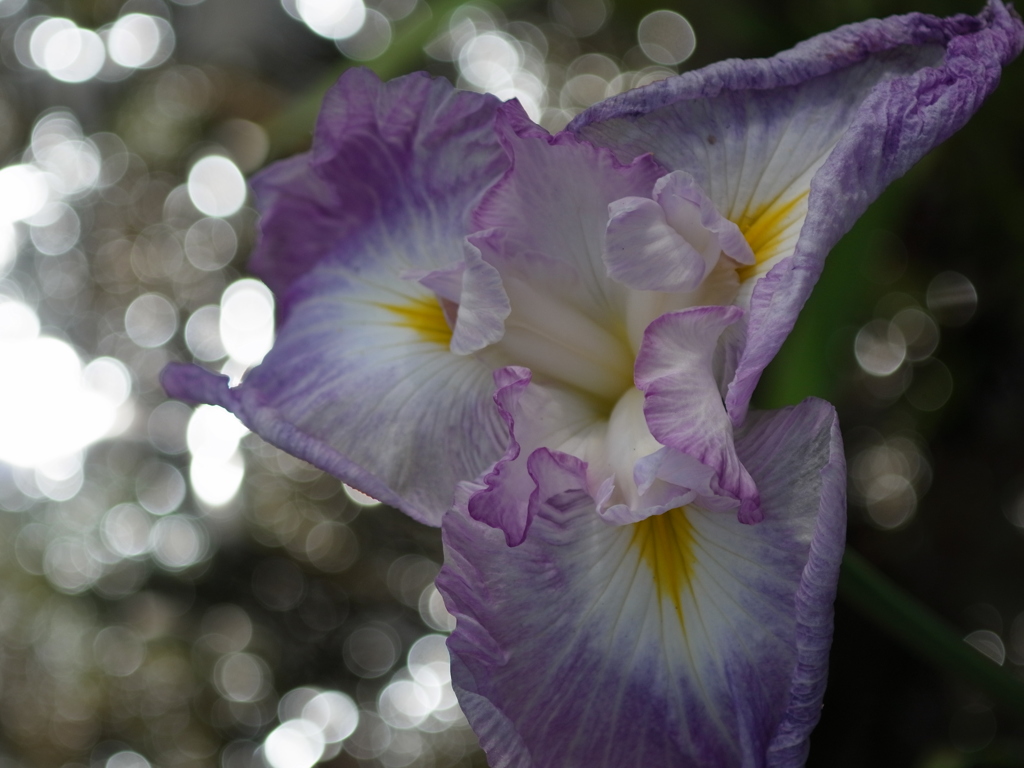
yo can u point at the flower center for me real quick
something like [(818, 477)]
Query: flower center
[(560, 342), (772, 230)]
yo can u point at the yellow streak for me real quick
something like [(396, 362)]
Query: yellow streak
[(766, 227), (666, 544), (425, 316)]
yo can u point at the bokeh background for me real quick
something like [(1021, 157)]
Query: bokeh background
[(175, 592)]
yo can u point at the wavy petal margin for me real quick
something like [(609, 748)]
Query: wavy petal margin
[(688, 639), (794, 148), (674, 370)]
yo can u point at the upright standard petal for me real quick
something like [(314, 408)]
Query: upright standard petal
[(794, 148), (686, 639), (363, 380), (681, 397), (543, 226), (670, 243)]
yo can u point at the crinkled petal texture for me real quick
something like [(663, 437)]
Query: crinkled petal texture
[(362, 381), (794, 148), (686, 639)]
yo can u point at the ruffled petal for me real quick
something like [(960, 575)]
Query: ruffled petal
[(551, 207), (474, 300), (483, 307), (683, 405), (688, 207), (631, 476), (687, 639), (503, 502), (362, 380), (794, 148), (534, 416), (670, 243), (661, 476)]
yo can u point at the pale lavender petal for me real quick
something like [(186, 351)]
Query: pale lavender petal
[(684, 410), (446, 283), (567, 653), (543, 228), (681, 197), (361, 383), (195, 384), (473, 299), (667, 471), (550, 211), (816, 592), (672, 242), (632, 476), (643, 252), (668, 479), (503, 502), (794, 148), (483, 306)]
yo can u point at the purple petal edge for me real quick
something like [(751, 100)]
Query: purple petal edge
[(196, 385), (497, 503), (898, 124), (814, 608), (395, 171), (192, 383), (818, 55)]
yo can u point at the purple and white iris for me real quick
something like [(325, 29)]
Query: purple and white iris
[(547, 345)]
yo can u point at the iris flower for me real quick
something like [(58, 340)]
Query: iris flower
[(547, 345)]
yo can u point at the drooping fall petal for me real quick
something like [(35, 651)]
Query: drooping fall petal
[(685, 639)]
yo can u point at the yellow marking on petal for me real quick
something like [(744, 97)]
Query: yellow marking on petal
[(666, 544), (769, 227), (425, 316)]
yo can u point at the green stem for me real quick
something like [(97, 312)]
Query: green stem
[(290, 130), (922, 631)]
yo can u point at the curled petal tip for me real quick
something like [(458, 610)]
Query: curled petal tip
[(750, 511), (194, 384)]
